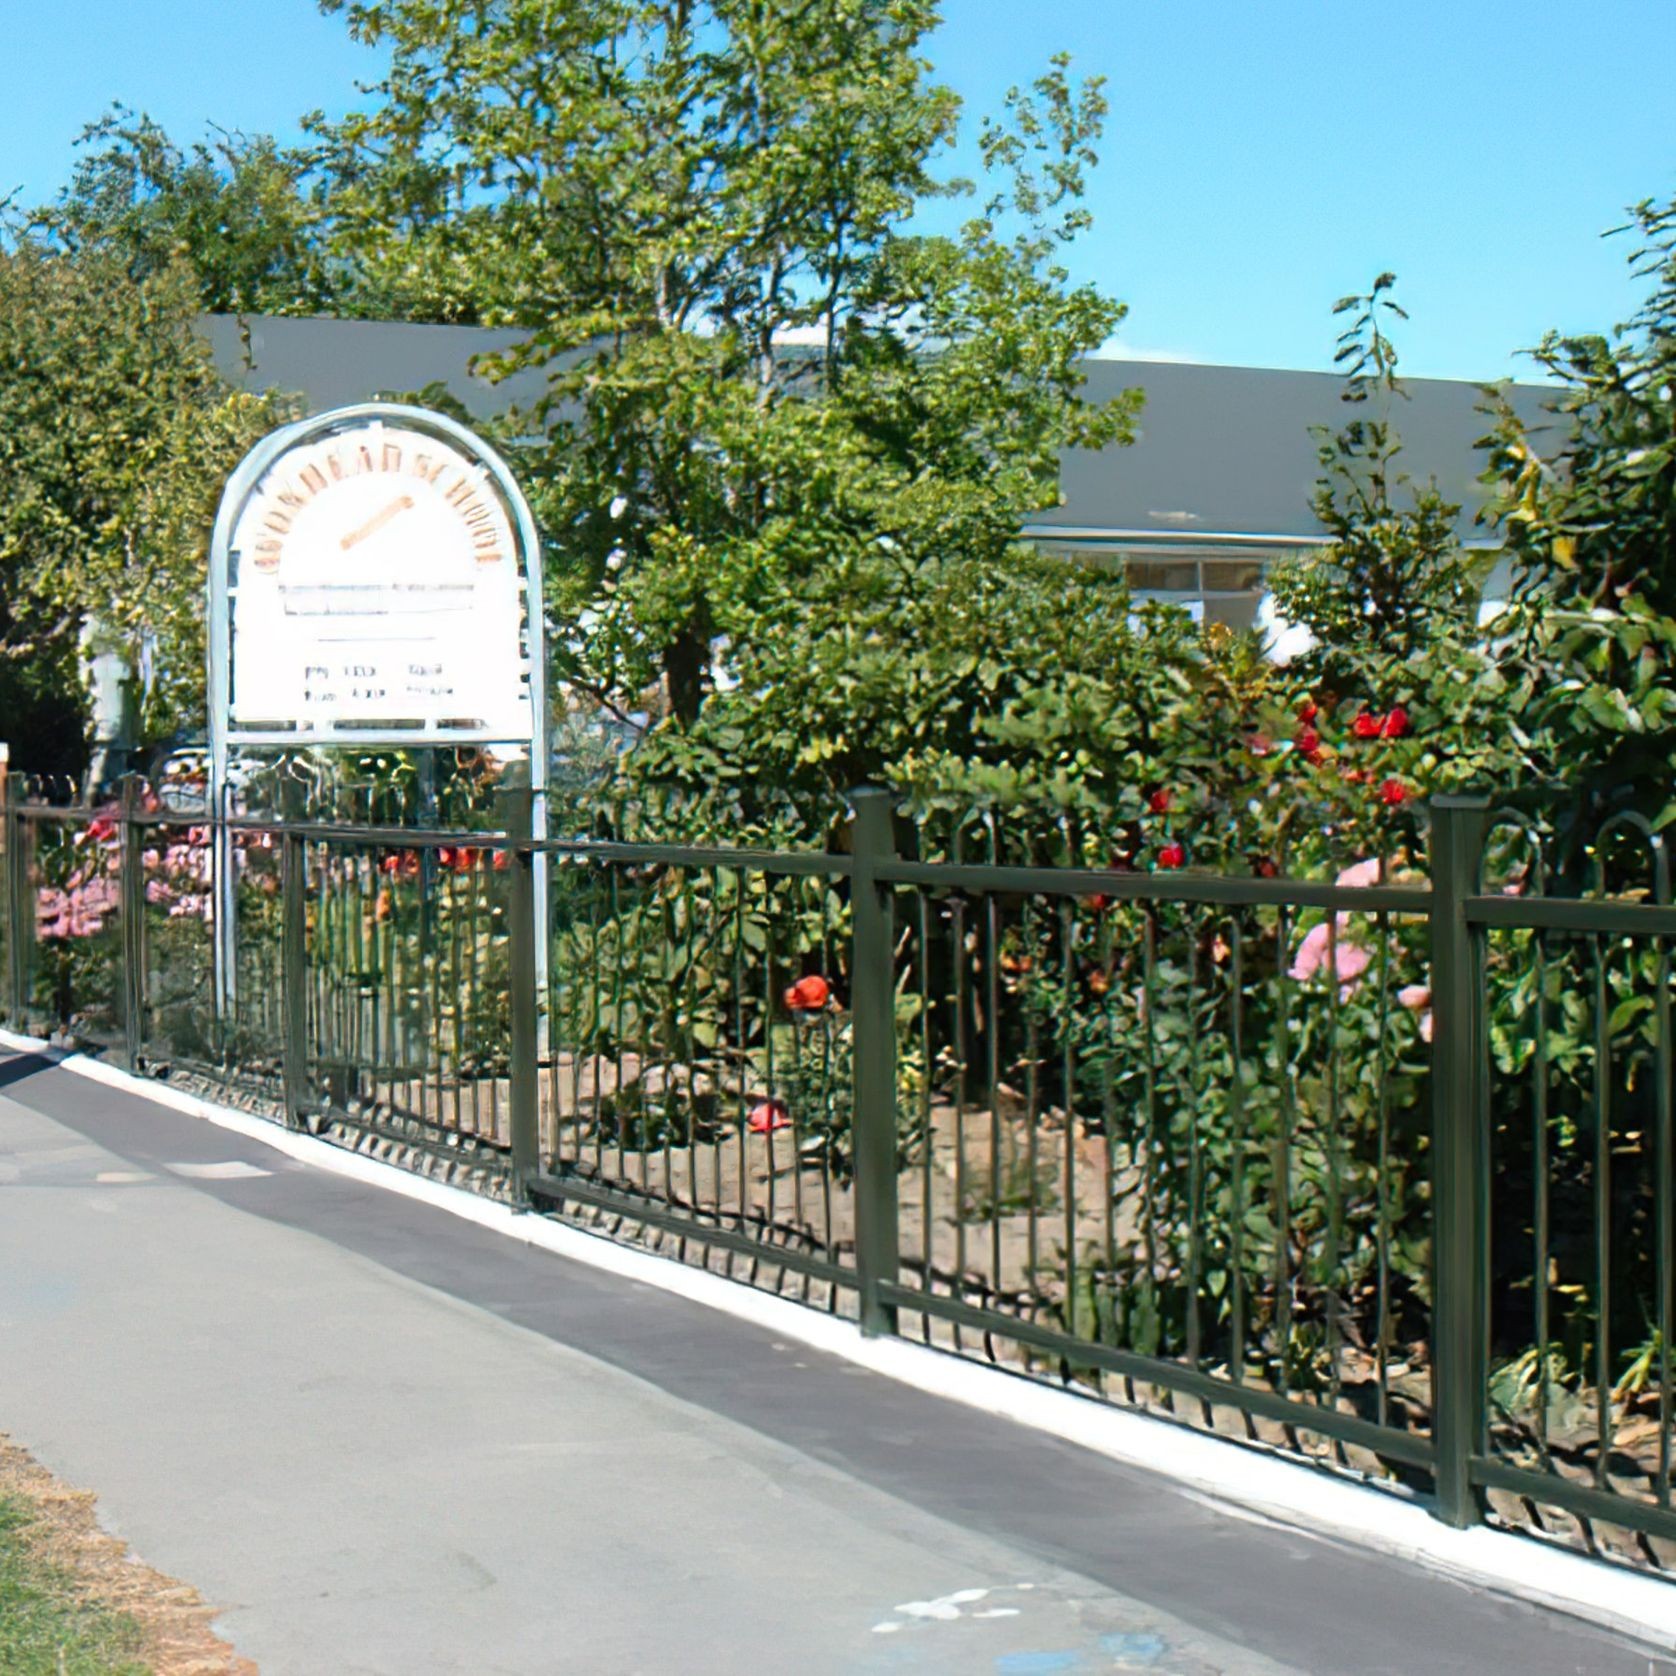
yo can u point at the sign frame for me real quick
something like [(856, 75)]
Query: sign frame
[(241, 486)]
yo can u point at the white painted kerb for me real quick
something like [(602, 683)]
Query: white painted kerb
[(1235, 1478)]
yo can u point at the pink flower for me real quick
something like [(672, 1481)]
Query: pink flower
[(1350, 960), (767, 1116), (1361, 876), (1417, 997)]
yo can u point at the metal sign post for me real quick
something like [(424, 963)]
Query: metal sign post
[(374, 580)]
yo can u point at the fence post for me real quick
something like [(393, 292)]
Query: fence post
[(1460, 1157), (131, 888), (518, 818), (293, 949), (873, 1009), (21, 921)]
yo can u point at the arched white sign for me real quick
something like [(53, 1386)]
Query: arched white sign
[(374, 579)]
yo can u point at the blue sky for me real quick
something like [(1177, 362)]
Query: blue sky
[(1261, 160)]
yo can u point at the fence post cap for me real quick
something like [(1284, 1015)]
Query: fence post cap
[(1472, 801)]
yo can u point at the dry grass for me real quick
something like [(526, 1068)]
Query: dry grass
[(66, 1548)]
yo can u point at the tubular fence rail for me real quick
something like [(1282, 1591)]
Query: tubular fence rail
[(1375, 1170)]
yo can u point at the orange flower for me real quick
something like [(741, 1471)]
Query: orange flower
[(808, 995)]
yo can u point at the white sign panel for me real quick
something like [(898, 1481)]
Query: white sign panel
[(375, 586)]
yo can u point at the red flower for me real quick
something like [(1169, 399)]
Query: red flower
[(100, 829), (1367, 725), (464, 860), (808, 995), (1307, 740), (1098, 903), (767, 1116), (503, 860), (1159, 803), (1308, 711), (1267, 868), (1393, 793), (1171, 856), (1396, 724)]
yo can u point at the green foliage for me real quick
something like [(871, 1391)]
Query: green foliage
[(1391, 581), (116, 435), (1591, 525), (239, 213), (760, 372)]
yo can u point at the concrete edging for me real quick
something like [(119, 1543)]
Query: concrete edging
[(1236, 1479)]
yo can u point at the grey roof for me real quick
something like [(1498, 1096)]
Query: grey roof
[(1220, 450), (1229, 450), (333, 363)]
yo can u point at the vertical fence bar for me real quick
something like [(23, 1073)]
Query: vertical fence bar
[(293, 952), (18, 923), (524, 1094), (1460, 1163), (873, 1000), (131, 885)]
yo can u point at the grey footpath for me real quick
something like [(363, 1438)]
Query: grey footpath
[(385, 1440)]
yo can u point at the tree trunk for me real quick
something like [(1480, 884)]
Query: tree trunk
[(685, 665)]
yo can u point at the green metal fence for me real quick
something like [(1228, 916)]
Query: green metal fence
[(1373, 1169)]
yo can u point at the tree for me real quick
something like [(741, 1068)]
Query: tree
[(1391, 578), (763, 373), (1591, 524), (116, 435), (239, 212)]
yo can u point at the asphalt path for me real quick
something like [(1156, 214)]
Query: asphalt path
[(385, 1440)]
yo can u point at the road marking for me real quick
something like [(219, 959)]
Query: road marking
[(945, 1607), (232, 1170), (120, 1178)]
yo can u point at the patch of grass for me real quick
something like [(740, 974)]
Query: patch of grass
[(47, 1626)]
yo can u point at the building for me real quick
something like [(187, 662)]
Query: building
[(1217, 484)]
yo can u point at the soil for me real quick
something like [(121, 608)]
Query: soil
[(173, 1618)]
